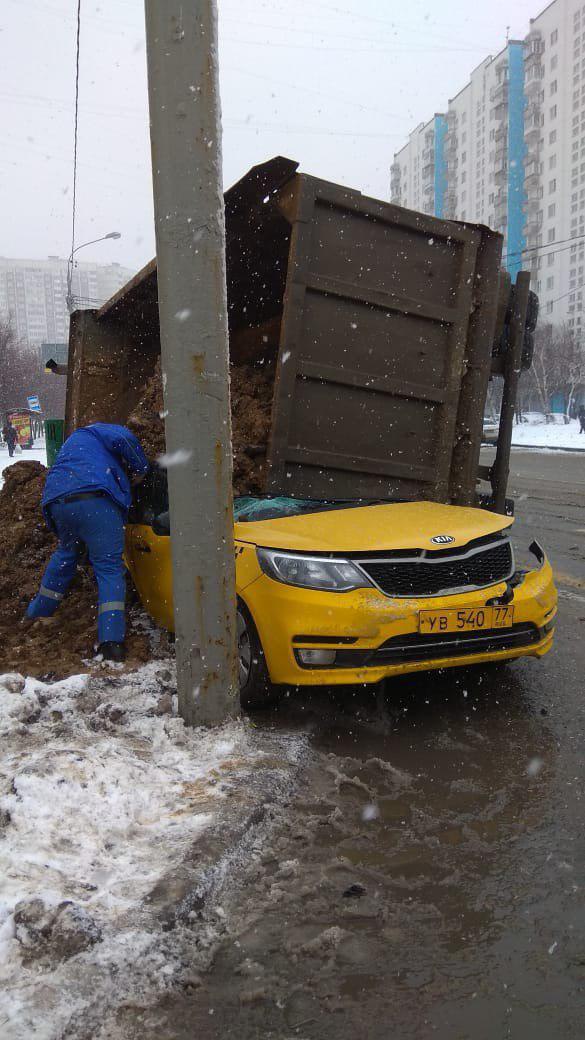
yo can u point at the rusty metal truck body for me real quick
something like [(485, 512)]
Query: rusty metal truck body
[(381, 323)]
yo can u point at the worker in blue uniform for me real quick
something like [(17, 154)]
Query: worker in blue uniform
[(85, 502)]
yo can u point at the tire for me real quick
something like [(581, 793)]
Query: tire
[(256, 690)]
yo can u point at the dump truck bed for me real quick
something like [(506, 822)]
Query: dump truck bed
[(378, 323)]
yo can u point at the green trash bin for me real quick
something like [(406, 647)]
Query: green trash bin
[(54, 436)]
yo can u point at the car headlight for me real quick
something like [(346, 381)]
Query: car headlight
[(311, 572)]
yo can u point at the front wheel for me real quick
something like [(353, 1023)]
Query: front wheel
[(256, 690)]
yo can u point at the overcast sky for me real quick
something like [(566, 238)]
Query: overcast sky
[(335, 84)]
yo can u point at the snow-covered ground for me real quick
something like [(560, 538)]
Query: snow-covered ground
[(549, 435), (110, 811), (37, 454)]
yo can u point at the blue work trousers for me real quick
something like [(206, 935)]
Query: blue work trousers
[(97, 524)]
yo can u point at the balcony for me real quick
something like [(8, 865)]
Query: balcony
[(534, 194), (533, 52), (533, 84), (533, 128), (533, 205), (428, 188), (450, 204), (501, 134), (428, 170), (499, 93), (428, 154), (532, 225), (531, 173), (501, 204), (500, 111), (533, 41), (501, 173)]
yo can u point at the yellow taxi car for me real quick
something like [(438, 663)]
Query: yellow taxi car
[(345, 593)]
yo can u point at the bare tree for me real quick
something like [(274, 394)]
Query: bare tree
[(558, 365), (540, 374), (569, 352), (21, 374)]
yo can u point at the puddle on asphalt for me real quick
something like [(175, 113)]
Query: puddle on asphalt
[(413, 886)]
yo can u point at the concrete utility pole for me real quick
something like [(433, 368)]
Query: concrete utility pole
[(185, 137)]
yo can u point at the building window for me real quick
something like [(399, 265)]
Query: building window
[(552, 137), (554, 37), (552, 209), (550, 282), (551, 235), (551, 259), (549, 307), (552, 186), (553, 87), (552, 162), (553, 112)]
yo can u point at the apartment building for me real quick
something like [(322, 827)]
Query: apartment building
[(514, 157), (418, 175), (554, 128), (34, 293), (478, 154)]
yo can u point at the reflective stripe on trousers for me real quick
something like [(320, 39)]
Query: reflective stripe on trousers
[(98, 524)]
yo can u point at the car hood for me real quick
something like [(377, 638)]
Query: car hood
[(400, 525)]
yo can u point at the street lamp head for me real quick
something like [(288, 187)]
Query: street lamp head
[(113, 234)]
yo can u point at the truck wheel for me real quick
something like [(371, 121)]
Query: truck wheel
[(256, 690)]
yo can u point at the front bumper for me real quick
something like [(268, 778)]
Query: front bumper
[(376, 637)]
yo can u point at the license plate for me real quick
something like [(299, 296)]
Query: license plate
[(468, 619)]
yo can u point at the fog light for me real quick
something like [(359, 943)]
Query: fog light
[(317, 658)]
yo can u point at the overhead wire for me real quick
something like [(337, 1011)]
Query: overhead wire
[(76, 126), (532, 249)]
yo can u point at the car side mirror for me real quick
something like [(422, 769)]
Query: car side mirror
[(162, 524)]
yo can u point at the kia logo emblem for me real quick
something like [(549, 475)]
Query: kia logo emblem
[(442, 539)]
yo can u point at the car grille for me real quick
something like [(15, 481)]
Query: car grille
[(401, 649), (421, 648), (429, 575)]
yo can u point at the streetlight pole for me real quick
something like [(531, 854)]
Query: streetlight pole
[(69, 298), (185, 132)]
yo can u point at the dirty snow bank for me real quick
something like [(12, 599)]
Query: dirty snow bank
[(106, 799)]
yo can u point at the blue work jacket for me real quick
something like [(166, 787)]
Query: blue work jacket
[(100, 457)]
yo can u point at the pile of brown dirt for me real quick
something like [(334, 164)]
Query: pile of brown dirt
[(146, 421), (252, 390), (55, 648)]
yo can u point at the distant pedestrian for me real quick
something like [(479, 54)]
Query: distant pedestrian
[(581, 417), (10, 436)]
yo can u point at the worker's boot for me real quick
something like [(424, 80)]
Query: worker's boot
[(111, 651)]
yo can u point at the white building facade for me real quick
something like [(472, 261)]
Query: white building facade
[(514, 156), (478, 153), (555, 162), (34, 292)]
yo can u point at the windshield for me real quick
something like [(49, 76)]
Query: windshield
[(151, 499)]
